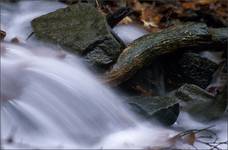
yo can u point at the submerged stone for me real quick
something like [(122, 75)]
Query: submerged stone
[(80, 28), (163, 109)]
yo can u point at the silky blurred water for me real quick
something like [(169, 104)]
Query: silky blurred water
[(50, 100)]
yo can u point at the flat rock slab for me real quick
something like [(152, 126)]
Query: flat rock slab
[(161, 108), (80, 28)]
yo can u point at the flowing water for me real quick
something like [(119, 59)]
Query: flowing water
[(50, 100)]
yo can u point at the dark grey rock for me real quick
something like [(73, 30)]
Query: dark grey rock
[(188, 68), (196, 69), (200, 104), (163, 109), (81, 28)]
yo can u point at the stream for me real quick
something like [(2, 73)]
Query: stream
[(49, 99)]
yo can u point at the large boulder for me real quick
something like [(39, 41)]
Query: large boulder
[(80, 28)]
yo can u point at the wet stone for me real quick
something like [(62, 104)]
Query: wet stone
[(189, 68), (81, 28), (163, 109)]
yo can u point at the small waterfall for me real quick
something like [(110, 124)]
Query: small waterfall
[(50, 100), (47, 96)]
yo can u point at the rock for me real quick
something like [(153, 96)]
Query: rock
[(145, 49), (10, 1), (188, 68), (220, 79), (197, 70), (2, 35), (69, 2), (114, 18), (219, 35), (200, 104), (226, 97), (100, 56), (223, 96), (164, 109), (219, 39), (81, 28), (15, 40)]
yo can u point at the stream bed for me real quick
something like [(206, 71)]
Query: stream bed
[(50, 99)]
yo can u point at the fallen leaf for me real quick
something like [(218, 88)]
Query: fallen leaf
[(126, 20), (190, 138), (189, 5), (205, 2)]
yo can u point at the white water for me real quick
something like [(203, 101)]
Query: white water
[(129, 32), (50, 100)]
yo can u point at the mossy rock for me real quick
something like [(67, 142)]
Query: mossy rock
[(80, 28)]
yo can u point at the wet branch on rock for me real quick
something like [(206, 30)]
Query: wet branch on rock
[(145, 49)]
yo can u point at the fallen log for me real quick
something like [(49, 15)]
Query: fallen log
[(143, 50)]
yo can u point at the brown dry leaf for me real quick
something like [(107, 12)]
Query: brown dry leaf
[(150, 17), (190, 138), (189, 5), (135, 5), (205, 2), (126, 20), (173, 140)]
